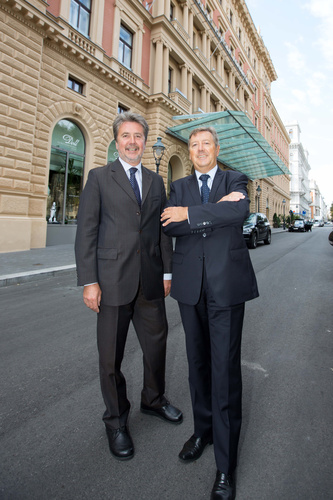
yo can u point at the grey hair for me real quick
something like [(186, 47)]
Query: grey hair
[(129, 116), (211, 130)]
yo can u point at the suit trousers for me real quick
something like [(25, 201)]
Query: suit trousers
[(213, 344), (150, 324)]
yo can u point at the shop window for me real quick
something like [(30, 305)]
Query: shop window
[(79, 16), (125, 47), (112, 151), (66, 173), (75, 85)]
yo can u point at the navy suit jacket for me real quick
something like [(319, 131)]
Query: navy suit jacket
[(117, 244), (213, 237)]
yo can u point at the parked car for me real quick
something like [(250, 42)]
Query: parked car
[(298, 225), (257, 228)]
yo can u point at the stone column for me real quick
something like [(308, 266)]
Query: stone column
[(116, 32), (159, 7), (158, 67), (190, 28), (189, 88), (167, 8), (166, 51), (185, 17), (204, 43), (184, 87), (203, 94), (137, 57), (208, 48)]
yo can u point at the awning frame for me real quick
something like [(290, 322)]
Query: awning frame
[(242, 147)]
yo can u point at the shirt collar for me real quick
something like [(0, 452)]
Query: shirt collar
[(127, 166), (211, 173)]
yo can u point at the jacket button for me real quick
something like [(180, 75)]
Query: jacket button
[(138, 213), (204, 235)]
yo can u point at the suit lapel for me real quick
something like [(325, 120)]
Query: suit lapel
[(119, 176), (213, 196), (193, 188), (146, 182)]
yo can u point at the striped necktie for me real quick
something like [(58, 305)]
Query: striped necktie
[(135, 185)]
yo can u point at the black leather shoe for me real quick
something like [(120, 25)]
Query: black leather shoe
[(166, 412), (120, 443), (193, 448), (224, 487)]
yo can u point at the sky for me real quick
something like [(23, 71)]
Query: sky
[(299, 37)]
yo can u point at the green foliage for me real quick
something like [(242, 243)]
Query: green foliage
[(276, 220)]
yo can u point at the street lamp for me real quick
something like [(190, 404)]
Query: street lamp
[(284, 213), (158, 150), (258, 195)]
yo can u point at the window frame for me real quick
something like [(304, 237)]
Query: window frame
[(125, 45), (80, 7)]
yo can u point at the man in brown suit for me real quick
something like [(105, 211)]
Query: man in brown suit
[(124, 262)]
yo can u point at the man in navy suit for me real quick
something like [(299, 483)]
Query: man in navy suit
[(212, 278), (124, 262)]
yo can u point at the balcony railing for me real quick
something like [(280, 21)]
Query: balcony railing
[(81, 41), (176, 24)]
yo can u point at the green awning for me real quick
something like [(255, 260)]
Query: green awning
[(242, 147)]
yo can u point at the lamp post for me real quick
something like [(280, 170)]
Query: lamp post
[(158, 150), (284, 213), (258, 195)]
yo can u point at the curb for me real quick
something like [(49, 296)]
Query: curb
[(18, 278)]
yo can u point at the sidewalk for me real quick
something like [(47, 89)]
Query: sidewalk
[(31, 265), (35, 264)]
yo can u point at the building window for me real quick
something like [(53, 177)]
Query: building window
[(170, 81), (248, 52), (75, 85), (230, 17), (79, 16), (121, 109), (65, 174), (254, 64), (239, 34), (125, 47), (172, 9)]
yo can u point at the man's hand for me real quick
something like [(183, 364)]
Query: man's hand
[(92, 296), (167, 287), (234, 196), (174, 214)]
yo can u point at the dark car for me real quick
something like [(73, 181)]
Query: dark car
[(298, 225), (257, 228)]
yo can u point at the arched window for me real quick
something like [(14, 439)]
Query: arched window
[(112, 151), (66, 173)]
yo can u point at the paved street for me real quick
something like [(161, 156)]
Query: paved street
[(53, 443)]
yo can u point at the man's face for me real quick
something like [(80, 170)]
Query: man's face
[(203, 152), (131, 142)]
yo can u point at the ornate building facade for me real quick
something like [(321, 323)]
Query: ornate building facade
[(69, 66), (299, 165)]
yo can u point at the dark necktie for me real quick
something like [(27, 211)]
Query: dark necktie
[(135, 185), (204, 188)]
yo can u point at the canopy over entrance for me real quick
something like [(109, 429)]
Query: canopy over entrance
[(242, 147)]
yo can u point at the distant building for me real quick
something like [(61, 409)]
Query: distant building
[(300, 199), (319, 210), (69, 66)]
